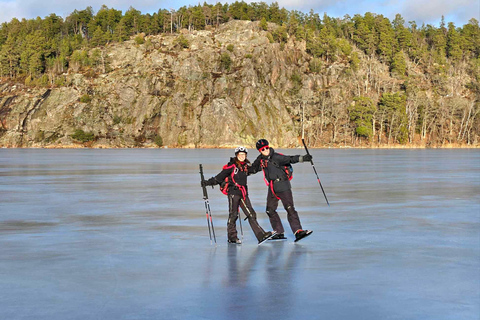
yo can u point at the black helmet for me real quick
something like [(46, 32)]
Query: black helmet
[(240, 149), (262, 143)]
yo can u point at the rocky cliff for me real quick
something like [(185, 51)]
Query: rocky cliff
[(229, 86), (158, 93)]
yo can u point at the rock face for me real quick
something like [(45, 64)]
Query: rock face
[(160, 94), (229, 87)]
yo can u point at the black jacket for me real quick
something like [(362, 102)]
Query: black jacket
[(240, 173), (273, 169)]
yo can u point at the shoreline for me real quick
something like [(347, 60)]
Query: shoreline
[(80, 146)]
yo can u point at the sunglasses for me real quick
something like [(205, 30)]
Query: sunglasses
[(264, 148)]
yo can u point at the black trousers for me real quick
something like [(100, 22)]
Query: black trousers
[(292, 214), (234, 203)]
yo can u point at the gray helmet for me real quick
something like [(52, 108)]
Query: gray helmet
[(240, 149)]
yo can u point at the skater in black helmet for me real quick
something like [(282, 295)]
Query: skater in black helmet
[(233, 183), (277, 174)]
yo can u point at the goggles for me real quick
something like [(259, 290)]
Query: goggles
[(241, 149), (264, 148)]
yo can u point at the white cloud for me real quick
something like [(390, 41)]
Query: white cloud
[(458, 11), (307, 5)]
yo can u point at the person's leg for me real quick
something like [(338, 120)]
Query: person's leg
[(246, 206), (233, 203), (292, 214), (272, 204)]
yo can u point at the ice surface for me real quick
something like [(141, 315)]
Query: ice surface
[(122, 234)]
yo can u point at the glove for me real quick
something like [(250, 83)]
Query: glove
[(209, 182), (203, 183), (307, 157)]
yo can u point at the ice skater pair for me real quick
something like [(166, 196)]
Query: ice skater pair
[(276, 168)]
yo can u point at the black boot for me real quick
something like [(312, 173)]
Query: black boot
[(236, 241), (300, 234), (278, 236), (268, 235)]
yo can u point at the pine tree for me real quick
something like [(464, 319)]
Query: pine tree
[(98, 38), (263, 24), (471, 38), (313, 20), (398, 65), (439, 41), (386, 42), (402, 34), (393, 106), (293, 24), (52, 26), (328, 43), (454, 50), (361, 113), (121, 31), (363, 35), (274, 13), (131, 20), (198, 18)]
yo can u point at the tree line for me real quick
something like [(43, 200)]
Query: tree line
[(36, 51), (33, 47)]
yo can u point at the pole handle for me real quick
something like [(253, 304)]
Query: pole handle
[(306, 149), (202, 178)]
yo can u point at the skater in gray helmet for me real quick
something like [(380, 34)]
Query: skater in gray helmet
[(233, 182)]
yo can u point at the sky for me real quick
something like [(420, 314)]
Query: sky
[(420, 11)]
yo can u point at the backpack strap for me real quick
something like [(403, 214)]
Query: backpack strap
[(273, 192), (283, 169), (232, 177), (264, 164)]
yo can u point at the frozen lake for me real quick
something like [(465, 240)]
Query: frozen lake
[(121, 234)]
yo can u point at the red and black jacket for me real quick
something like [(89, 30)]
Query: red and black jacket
[(273, 169), (236, 173)]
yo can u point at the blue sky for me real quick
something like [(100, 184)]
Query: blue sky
[(420, 11)]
